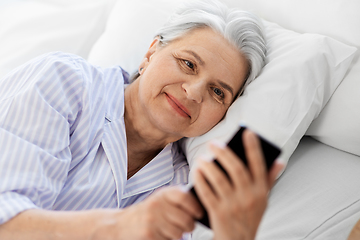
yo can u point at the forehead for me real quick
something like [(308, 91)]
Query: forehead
[(217, 55)]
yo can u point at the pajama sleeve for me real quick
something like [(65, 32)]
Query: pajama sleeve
[(40, 105)]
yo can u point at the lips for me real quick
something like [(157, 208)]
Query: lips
[(177, 106)]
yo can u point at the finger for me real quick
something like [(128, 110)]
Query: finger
[(184, 200), (274, 172), (149, 230), (255, 157), (204, 191), (168, 230), (178, 218), (233, 165), (171, 219), (158, 234), (216, 178)]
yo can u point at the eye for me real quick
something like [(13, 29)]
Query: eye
[(218, 91), (219, 94), (189, 64)]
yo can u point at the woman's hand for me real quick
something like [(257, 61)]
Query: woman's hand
[(355, 232), (235, 207), (166, 214)]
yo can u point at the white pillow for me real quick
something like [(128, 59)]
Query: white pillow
[(31, 28), (303, 72), (129, 32), (338, 124)]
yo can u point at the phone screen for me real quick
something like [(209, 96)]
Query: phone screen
[(270, 151)]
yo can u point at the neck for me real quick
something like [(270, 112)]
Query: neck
[(144, 141)]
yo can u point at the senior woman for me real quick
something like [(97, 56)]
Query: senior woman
[(81, 153)]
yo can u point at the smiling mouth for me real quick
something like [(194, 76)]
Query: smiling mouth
[(177, 106)]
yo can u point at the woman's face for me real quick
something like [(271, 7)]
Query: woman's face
[(187, 86)]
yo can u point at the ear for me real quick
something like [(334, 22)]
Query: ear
[(152, 49)]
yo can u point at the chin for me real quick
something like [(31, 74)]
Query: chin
[(179, 127), (195, 132)]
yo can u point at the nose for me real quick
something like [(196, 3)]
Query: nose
[(194, 90)]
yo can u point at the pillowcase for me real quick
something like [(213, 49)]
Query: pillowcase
[(129, 32), (338, 123), (31, 28), (302, 72)]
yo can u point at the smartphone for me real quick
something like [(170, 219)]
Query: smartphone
[(270, 151)]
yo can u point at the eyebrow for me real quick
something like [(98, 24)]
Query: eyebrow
[(226, 86), (198, 58)]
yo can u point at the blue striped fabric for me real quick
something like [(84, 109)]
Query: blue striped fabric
[(63, 143)]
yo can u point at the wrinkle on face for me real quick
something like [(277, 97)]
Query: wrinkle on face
[(218, 63)]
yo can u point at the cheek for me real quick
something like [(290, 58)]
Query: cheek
[(160, 73), (216, 117), (210, 116)]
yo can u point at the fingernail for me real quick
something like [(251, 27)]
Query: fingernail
[(282, 164), (242, 123), (206, 158), (218, 143), (281, 161), (184, 188)]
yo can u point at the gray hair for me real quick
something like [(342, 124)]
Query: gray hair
[(243, 29)]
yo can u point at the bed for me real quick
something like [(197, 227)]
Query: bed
[(306, 99)]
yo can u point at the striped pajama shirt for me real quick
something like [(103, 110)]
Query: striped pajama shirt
[(63, 142)]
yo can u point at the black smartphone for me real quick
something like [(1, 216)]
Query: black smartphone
[(271, 152)]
